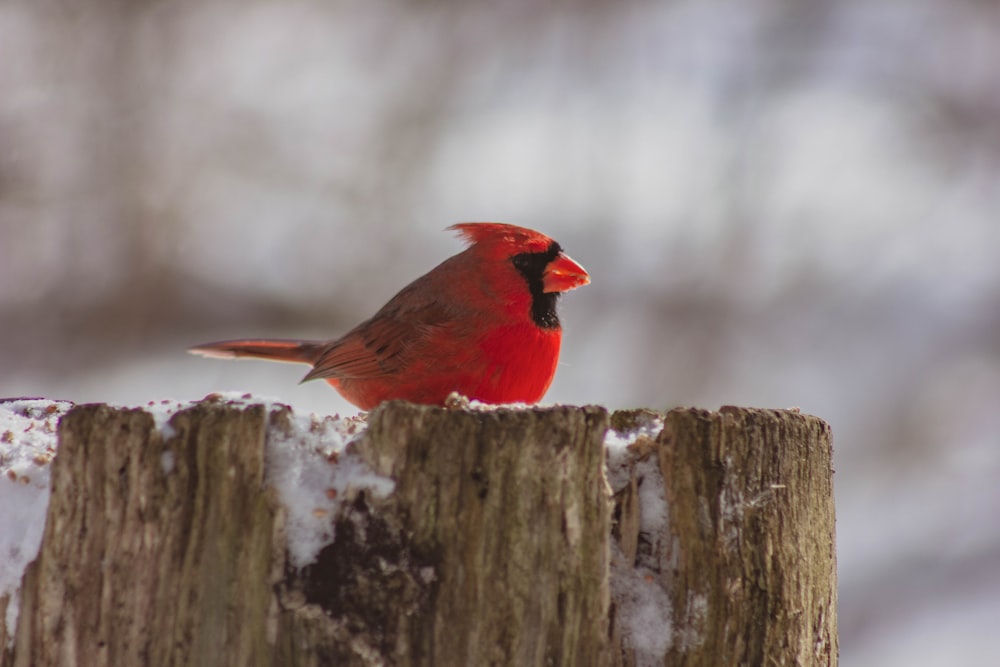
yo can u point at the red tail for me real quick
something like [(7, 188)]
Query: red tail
[(299, 351)]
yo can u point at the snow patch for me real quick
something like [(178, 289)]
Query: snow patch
[(456, 401), (167, 462), (619, 446), (630, 453), (163, 410), (309, 463), (27, 446), (643, 613), (697, 611), (642, 610)]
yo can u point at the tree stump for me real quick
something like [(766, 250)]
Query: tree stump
[(141, 565), (744, 544), (501, 543)]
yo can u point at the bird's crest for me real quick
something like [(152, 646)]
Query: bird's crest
[(517, 238)]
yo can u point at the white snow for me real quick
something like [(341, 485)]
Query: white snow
[(617, 444), (167, 462), (314, 473), (643, 609), (27, 445)]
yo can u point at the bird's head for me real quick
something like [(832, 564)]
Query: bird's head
[(537, 257)]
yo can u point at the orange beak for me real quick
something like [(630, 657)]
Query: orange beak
[(563, 274)]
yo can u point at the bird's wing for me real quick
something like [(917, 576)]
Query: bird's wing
[(381, 346)]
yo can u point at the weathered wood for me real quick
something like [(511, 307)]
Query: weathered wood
[(509, 510), (497, 546), (5, 638), (155, 552), (493, 550), (749, 560)]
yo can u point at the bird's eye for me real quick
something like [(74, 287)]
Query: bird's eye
[(530, 264)]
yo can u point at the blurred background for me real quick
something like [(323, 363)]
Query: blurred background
[(780, 204)]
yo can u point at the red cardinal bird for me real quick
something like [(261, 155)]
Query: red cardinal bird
[(482, 323)]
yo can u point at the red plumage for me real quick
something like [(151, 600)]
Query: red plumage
[(482, 323)]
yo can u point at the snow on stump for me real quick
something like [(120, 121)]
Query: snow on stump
[(230, 532)]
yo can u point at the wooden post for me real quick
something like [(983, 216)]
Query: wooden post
[(493, 549), (501, 543), (747, 557), (141, 565)]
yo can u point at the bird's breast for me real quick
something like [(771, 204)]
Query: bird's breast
[(519, 364)]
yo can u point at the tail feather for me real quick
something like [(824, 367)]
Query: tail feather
[(298, 351)]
